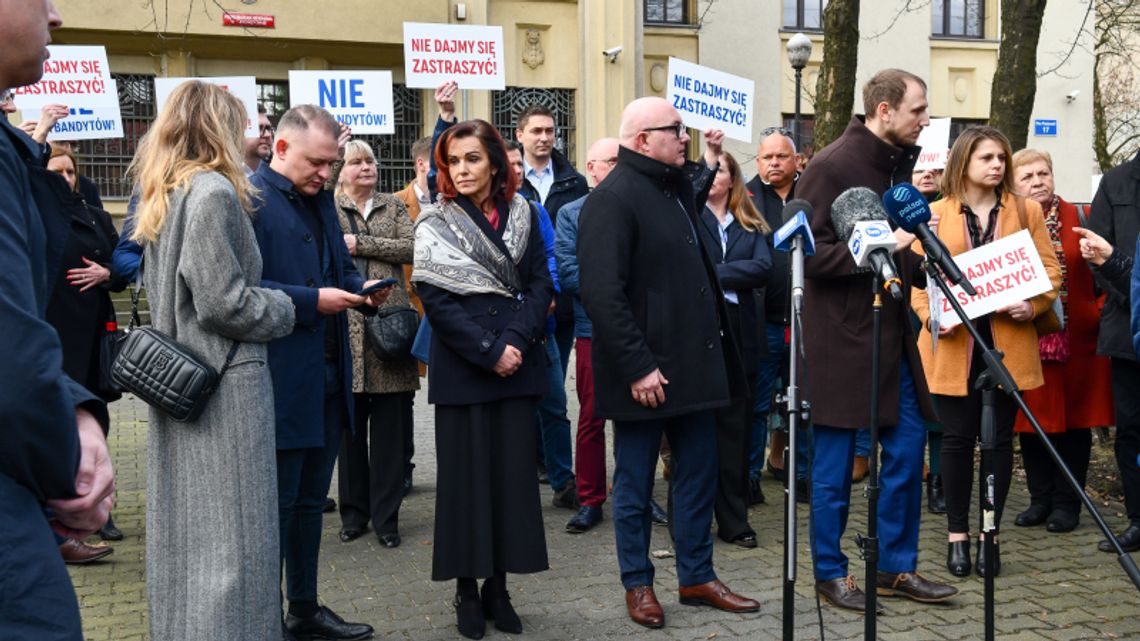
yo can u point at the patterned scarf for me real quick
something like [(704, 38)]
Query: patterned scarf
[(453, 253), (1055, 347)]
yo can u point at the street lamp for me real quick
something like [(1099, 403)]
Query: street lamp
[(799, 50)]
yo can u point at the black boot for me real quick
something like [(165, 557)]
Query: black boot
[(958, 558), (469, 609), (109, 532), (935, 499), (497, 604)]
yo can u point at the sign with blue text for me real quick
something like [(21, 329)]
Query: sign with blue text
[(84, 123), (362, 100), (711, 99), (243, 87), (1042, 127)]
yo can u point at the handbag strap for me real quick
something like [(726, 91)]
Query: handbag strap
[(1082, 216)]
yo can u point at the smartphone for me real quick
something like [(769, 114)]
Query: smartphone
[(377, 286)]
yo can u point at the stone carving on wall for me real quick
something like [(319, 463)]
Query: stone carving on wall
[(533, 55)]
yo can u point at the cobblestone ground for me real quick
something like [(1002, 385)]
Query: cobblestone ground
[(1051, 587)]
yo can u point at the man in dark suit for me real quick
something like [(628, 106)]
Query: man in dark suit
[(305, 256), (652, 294), (55, 451)]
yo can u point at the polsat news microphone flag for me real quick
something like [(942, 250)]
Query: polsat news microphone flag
[(795, 225)]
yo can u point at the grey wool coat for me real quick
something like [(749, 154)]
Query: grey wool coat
[(386, 241), (201, 277)]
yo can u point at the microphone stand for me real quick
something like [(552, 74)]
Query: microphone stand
[(997, 376), (796, 410), (869, 545)]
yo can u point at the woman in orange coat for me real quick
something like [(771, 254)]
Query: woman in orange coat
[(980, 207), (1077, 393)]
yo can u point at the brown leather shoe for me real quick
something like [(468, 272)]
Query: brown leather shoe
[(914, 586), (76, 552), (843, 592), (643, 607), (717, 595), (859, 469)]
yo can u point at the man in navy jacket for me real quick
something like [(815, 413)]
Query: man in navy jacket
[(305, 256)]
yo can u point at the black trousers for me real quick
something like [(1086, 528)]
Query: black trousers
[(1047, 485), (371, 473), (1125, 383), (733, 448)]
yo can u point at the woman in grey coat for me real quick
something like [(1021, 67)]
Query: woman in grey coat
[(201, 269)]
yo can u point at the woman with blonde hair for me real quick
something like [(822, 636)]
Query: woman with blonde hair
[(733, 231), (979, 207), (201, 267)]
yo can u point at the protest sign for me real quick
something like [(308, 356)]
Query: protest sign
[(1006, 271), (84, 124), (935, 143), (76, 76), (711, 99), (360, 99), (469, 55), (244, 87)]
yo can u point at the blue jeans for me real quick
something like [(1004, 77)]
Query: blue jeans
[(692, 438), (900, 501), (774, 367), (863, 442), (553, 422)]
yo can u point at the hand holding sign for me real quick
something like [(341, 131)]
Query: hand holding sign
[(49, 115), (445, 98), (714, 145), (1019, 311)]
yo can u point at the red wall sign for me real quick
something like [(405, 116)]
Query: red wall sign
[(260, 20)]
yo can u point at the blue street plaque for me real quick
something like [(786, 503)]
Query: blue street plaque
[(1043, 127)]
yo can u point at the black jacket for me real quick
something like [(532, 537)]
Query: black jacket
[(777, 290), (1116, 217), (743, 267), (651, 291)]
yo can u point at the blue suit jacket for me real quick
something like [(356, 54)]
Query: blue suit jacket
[(291, 264)]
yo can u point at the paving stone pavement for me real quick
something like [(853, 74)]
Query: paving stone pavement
[(1054, 587)]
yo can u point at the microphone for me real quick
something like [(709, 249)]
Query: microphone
[(796, 225), (860, 220), (908, 209)]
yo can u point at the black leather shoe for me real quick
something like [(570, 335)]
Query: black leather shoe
[(755, 492), (1063, 520), (109, 532), (389, 540), (330, 505), (469, 616), (778, 473), (325, 624), (1035, 515), (980, 565), (958, 558), (567, 497), (659, 516), (747, 540), (935, 498), (587, 517), (803, 491), (286, 635), (497, 607), (1129, 540), (352, 533)]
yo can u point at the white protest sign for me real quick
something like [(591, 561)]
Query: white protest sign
[(1006, 271), (84, 124), (244, 87), (76, 76), (935, 143), (469, 55), (711, 99), (360, 99)]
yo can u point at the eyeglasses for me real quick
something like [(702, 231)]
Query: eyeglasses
[(775, 130), (265, 129), (678, 128)]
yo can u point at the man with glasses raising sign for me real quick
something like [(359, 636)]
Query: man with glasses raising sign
[(662, 354)]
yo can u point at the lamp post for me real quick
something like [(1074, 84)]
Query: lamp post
[(799, 50)]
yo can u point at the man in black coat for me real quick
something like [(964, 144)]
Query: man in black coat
[(54, 452), (662, 353)]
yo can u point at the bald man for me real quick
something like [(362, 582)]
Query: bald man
[(662, 356)]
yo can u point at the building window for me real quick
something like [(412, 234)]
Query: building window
[(105, 161), (958, 18), (507, 105), (274, 96), (958, 125), (666, 11), (804, 15)]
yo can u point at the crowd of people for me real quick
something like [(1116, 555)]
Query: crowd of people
[(277, 260)]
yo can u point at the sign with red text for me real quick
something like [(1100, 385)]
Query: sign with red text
[(73, 75), (711, 99), (360, 99), (935, 143), (1005, 271), (82, 123), (256, 20), (469, 55), (244, 87)]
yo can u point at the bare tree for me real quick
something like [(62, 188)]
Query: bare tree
[(1015, 79), (1116, 82), (835, 90)]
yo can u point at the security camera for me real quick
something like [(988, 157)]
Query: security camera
[(1073, 95), (612, 53)]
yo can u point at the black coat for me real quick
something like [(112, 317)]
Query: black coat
[(651, 292), (80, 317), (777, 289), (1116, 217), (837, 298), (469, 333), (742, 267)]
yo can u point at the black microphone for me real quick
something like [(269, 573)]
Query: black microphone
[(861, 222), (908, 209)]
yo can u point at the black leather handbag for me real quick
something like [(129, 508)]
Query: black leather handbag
[(391, 332), (162, 372)]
